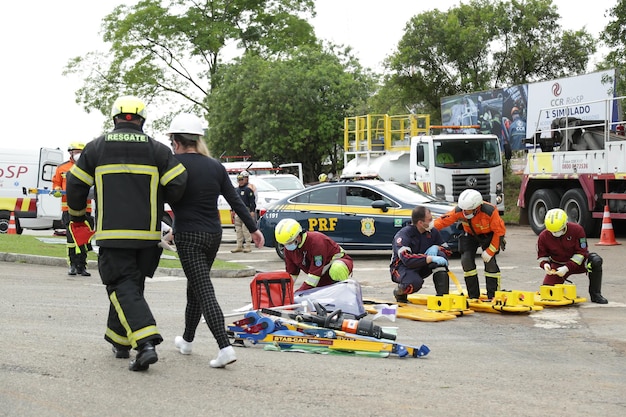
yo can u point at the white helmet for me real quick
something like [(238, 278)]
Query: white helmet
[(470, 199), (186, 123)]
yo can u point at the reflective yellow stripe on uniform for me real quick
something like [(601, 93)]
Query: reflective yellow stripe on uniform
[(128, 234), (470, 273), (133, 336), (82, 175), (119, 339), (171, 174), (312, 280), (578, 259), (135, 169)]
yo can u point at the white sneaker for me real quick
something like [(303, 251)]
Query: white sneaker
[(225, 357), (182, 345)]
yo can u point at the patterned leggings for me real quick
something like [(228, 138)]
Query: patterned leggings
[(197, 251)]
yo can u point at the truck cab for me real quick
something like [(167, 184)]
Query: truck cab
[(445, 165), (404, 149)]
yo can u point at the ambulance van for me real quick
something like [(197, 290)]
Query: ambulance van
[(22, 173)]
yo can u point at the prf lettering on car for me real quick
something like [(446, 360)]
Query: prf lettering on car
[(322, 224)]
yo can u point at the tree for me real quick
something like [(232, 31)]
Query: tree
[(448, 53), (614, 36), (534, 46), (172, 53), (287, 110)]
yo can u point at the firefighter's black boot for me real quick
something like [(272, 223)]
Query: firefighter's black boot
[(400, 295), (442, 282), (121, 352), (146, 356), (492, 286), (81, 266), (82, 270), (73, 260), (595, 279), (473, 289)]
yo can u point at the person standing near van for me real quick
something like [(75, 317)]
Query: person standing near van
[(247, 193), (76, 257)]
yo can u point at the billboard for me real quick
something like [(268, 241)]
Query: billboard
[(516, 113)]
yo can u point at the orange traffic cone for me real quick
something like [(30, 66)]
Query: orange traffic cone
[(607, 236), (12, 230)]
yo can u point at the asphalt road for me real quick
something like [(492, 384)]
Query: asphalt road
[(559, 361)]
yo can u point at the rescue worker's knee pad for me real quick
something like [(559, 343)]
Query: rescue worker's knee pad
[(338, 271), (594, 262)]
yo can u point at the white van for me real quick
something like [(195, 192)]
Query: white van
[(20, 171), (269, 188)]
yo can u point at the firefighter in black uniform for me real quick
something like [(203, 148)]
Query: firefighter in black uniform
[(134, 176)]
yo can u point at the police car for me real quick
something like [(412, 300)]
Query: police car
[(358, 215)]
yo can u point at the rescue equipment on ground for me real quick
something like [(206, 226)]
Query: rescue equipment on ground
[(271, 289), (343, 295), (285, 334)]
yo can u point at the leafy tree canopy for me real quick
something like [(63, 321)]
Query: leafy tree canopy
[(287, 110), (482, 45), (171, 53), (614, 36)]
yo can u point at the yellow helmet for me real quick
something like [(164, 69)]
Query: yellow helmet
[(75, 146), (555, 220), (129, 105), (287, 230), (322, 177)]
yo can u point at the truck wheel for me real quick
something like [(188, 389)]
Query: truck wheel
[(4, 222), (279, 250), (5, 219), (574, 203), (540, 202)]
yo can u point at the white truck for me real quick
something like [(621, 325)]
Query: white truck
[(20, 171), (577, 164), (403, 149)]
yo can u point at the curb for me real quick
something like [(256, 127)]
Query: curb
[(174, 272)]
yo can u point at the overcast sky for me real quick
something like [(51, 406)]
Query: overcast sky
[(39, 37)]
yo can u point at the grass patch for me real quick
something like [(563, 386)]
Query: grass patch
[(512, 184), (55, 247)]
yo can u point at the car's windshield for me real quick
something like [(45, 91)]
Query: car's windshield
[(406, 193), (283, 183), (260, 184)]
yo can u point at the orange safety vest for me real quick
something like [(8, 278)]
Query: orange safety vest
[(59, 180)]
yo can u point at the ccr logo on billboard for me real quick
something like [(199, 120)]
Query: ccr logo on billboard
[(556, 89)]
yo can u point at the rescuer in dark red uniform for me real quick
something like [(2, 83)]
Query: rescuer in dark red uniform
[(562, 251)]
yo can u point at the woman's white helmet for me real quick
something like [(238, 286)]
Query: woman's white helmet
[(470, 200), (186, 123)]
